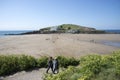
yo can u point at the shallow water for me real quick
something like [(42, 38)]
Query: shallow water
[(110, 43)]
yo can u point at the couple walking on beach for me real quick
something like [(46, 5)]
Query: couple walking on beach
[(53, 64)]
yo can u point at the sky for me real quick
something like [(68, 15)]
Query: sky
[(36, 14)]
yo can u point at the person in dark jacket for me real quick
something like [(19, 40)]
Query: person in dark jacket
[(50, 65), (55, 65)]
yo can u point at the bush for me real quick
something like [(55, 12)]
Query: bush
[(93, 63), (8, 64), (42, 62), (26, 62), (116, 61), (13, 63), (65, 62)]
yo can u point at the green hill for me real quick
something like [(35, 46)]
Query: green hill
[(74, 27), (65, 28), (69, 28)]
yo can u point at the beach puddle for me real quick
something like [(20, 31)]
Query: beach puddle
[(110, 43)]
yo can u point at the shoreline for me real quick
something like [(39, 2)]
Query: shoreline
[(72, 45)]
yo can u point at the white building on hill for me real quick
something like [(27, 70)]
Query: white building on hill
[(54, 28)]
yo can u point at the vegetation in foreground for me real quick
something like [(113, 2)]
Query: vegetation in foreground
[(10, 64), (90, 67)]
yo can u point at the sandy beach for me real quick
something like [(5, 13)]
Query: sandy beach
[(73, 45)]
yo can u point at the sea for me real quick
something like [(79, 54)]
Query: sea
[(117, 31), (5, 33)]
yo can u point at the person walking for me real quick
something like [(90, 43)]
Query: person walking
[(50, 65), (55, 66)]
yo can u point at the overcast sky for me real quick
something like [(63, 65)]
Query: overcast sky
[(36, 14)]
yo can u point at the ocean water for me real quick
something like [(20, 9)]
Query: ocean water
[(117, 31), (3, 33)]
